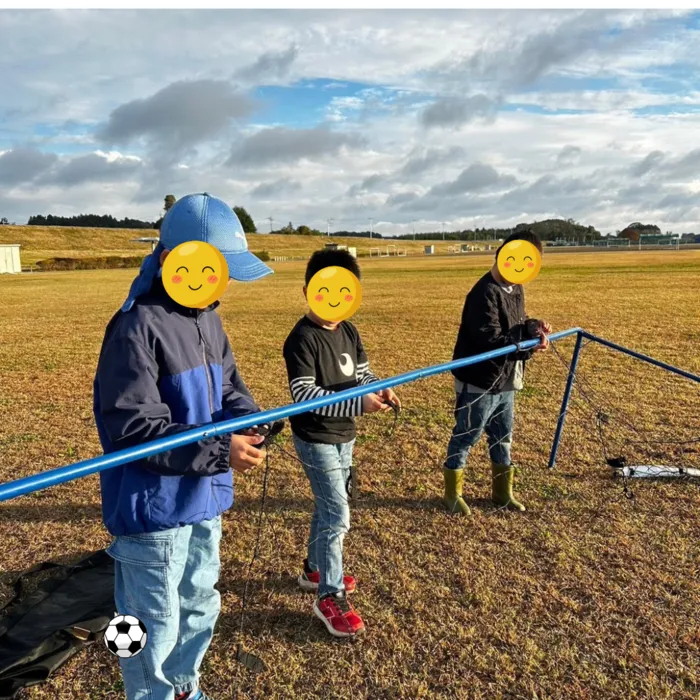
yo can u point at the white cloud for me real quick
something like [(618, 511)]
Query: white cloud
[(65, 73)]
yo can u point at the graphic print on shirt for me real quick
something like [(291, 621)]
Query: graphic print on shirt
[(347, 366)]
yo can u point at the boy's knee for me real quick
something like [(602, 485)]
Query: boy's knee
[(337, 519)]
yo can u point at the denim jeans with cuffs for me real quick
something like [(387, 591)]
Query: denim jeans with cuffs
[(166, 579), (328, 470)]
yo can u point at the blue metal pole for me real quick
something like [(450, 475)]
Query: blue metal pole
[(37, 482), (639, 356), (565, 401)]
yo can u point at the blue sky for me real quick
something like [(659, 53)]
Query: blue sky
[(474, 118)]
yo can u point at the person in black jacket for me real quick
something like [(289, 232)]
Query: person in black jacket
[(493, 317)]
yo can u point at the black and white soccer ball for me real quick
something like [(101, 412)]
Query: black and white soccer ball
[(126, 636)]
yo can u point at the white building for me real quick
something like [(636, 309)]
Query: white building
[(9, 258)]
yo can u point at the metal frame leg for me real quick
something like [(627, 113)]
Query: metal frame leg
[(565, 401)]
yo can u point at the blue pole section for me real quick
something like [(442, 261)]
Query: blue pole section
[(61, 475), (644, 358), (565, 400)]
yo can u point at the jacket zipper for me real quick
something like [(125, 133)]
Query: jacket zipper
[(210, 389), (210, 392)]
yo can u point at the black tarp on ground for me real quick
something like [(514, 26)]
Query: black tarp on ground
[(40, 631)]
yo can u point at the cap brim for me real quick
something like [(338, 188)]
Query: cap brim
[(246, 267)]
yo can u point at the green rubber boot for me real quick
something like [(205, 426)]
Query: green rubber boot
[(454, 478), (502, 486)]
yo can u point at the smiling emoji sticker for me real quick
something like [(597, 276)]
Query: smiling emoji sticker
[(519, 262), (334, 294), (195, 274)]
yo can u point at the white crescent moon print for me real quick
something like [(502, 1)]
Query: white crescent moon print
[(346, 365)]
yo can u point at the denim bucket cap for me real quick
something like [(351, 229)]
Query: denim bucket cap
[(200, 217)]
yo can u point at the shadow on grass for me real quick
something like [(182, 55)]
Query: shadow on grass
[(273, 583), (73, 512), (286, 625), (67, 512)]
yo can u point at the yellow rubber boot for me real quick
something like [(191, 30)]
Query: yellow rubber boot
[(502, 486), (454, 478)]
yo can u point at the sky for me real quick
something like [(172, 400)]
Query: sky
[(399, 119)]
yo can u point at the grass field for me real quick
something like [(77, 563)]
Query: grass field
[(587, 595), (41, 242)]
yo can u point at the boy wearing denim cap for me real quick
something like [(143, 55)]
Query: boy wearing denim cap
[(164, 369)]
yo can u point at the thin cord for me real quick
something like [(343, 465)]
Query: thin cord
[(250, 660)]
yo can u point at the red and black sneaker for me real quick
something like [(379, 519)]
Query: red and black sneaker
[(309, 580), (338, 615)]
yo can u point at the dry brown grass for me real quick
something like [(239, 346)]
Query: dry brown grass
[(39, 242), (587, 595)]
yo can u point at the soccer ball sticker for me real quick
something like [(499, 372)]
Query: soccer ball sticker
[(126, 636)]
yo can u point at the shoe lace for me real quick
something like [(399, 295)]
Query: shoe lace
[(342, 603)]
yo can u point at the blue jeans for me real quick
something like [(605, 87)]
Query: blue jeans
[(475, 413), (166, 579), (328, 470)]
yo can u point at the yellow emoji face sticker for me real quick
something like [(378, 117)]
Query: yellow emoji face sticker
[(519, 262), (334, 294), (195, 274)]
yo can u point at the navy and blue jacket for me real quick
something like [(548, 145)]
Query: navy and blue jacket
[(164, 369)]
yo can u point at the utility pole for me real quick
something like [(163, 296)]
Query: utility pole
[(270, 219), (443, 230), (414, 229), (328, 226), (370, 228)]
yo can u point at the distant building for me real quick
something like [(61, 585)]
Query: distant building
[(337, 246), (429, 250), (9, 259)]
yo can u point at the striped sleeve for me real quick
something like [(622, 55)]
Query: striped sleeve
[(301, 371), (305, 388), (365, 374)]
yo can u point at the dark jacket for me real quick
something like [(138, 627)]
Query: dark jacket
[(164, 369), (492, 318)]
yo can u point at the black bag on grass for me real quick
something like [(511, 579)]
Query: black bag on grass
[(40, 631)]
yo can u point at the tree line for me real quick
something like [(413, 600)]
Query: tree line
[(88, 220), (548, 230)]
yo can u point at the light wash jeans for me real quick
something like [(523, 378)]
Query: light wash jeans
[(166, 579), (475, 413), (328, 470)]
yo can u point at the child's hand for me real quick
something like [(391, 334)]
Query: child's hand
[(543, 344), (244, 455), (544, 327), (371, 403), (389, 395)]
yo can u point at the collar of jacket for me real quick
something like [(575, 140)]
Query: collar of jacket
[(158, 292)]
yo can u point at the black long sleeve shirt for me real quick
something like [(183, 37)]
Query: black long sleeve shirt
[(320, 362)]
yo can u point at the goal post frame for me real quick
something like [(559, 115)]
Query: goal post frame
[(580, 335)]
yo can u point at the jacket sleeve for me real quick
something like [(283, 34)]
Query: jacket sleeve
[(236, 399), (132, 413), (481, 317)]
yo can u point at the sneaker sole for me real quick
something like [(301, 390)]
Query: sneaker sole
[(311, 587), (306, 585), (334, 632)]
